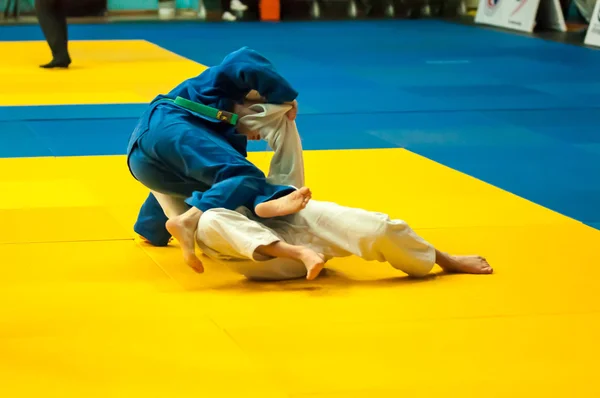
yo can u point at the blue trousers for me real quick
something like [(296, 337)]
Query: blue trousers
[(180, 158)]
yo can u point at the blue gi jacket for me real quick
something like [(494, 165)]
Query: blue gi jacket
[(222, 86), (191, 156)]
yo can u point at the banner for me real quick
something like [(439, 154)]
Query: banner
[(521, 15), (592, 38)]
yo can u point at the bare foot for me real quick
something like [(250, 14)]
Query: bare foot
[(289, 204), (467, 265), (183, 228), (313, 261)]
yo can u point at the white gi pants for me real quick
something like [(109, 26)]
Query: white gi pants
[(231, 237)]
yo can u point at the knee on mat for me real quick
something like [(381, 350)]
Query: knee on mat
[(417, 259), (419, 270), (416, 264)]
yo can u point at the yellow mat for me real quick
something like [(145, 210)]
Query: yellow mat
[(104, 72), (108, 316)]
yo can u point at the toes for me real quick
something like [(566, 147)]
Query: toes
[(198, 270), (196, 265), (314, 272), (304, 191)]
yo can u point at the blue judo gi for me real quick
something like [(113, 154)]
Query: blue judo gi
[(181, 153)]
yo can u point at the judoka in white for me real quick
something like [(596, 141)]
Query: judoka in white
[(298, 245)]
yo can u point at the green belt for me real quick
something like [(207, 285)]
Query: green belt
[(204, 110)]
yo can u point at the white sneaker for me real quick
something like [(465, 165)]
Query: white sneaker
[(237, 5), (229, 17)]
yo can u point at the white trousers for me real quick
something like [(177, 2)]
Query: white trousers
[(232, 237)]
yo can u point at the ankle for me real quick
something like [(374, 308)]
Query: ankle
[(191, 216), (304, 252), (444, 260)]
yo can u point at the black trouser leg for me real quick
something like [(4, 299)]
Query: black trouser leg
[(53, 21), (225, 6)]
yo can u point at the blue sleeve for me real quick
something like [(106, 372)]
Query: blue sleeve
[(245, 70)]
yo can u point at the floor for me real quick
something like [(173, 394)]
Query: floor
[(485, 142)]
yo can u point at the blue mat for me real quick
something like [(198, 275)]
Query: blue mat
[(66, 112), (18, 140), (517, 112), (385, 65)]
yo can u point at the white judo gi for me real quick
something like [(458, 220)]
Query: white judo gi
[(231, 237)]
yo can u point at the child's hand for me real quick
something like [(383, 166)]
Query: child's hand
[(292, 113), (243, 110)]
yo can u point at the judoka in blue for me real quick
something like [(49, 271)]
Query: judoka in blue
[(181, 153)]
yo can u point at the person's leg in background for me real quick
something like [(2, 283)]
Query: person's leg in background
[(52, 18), (227, 11), (228, 7)]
